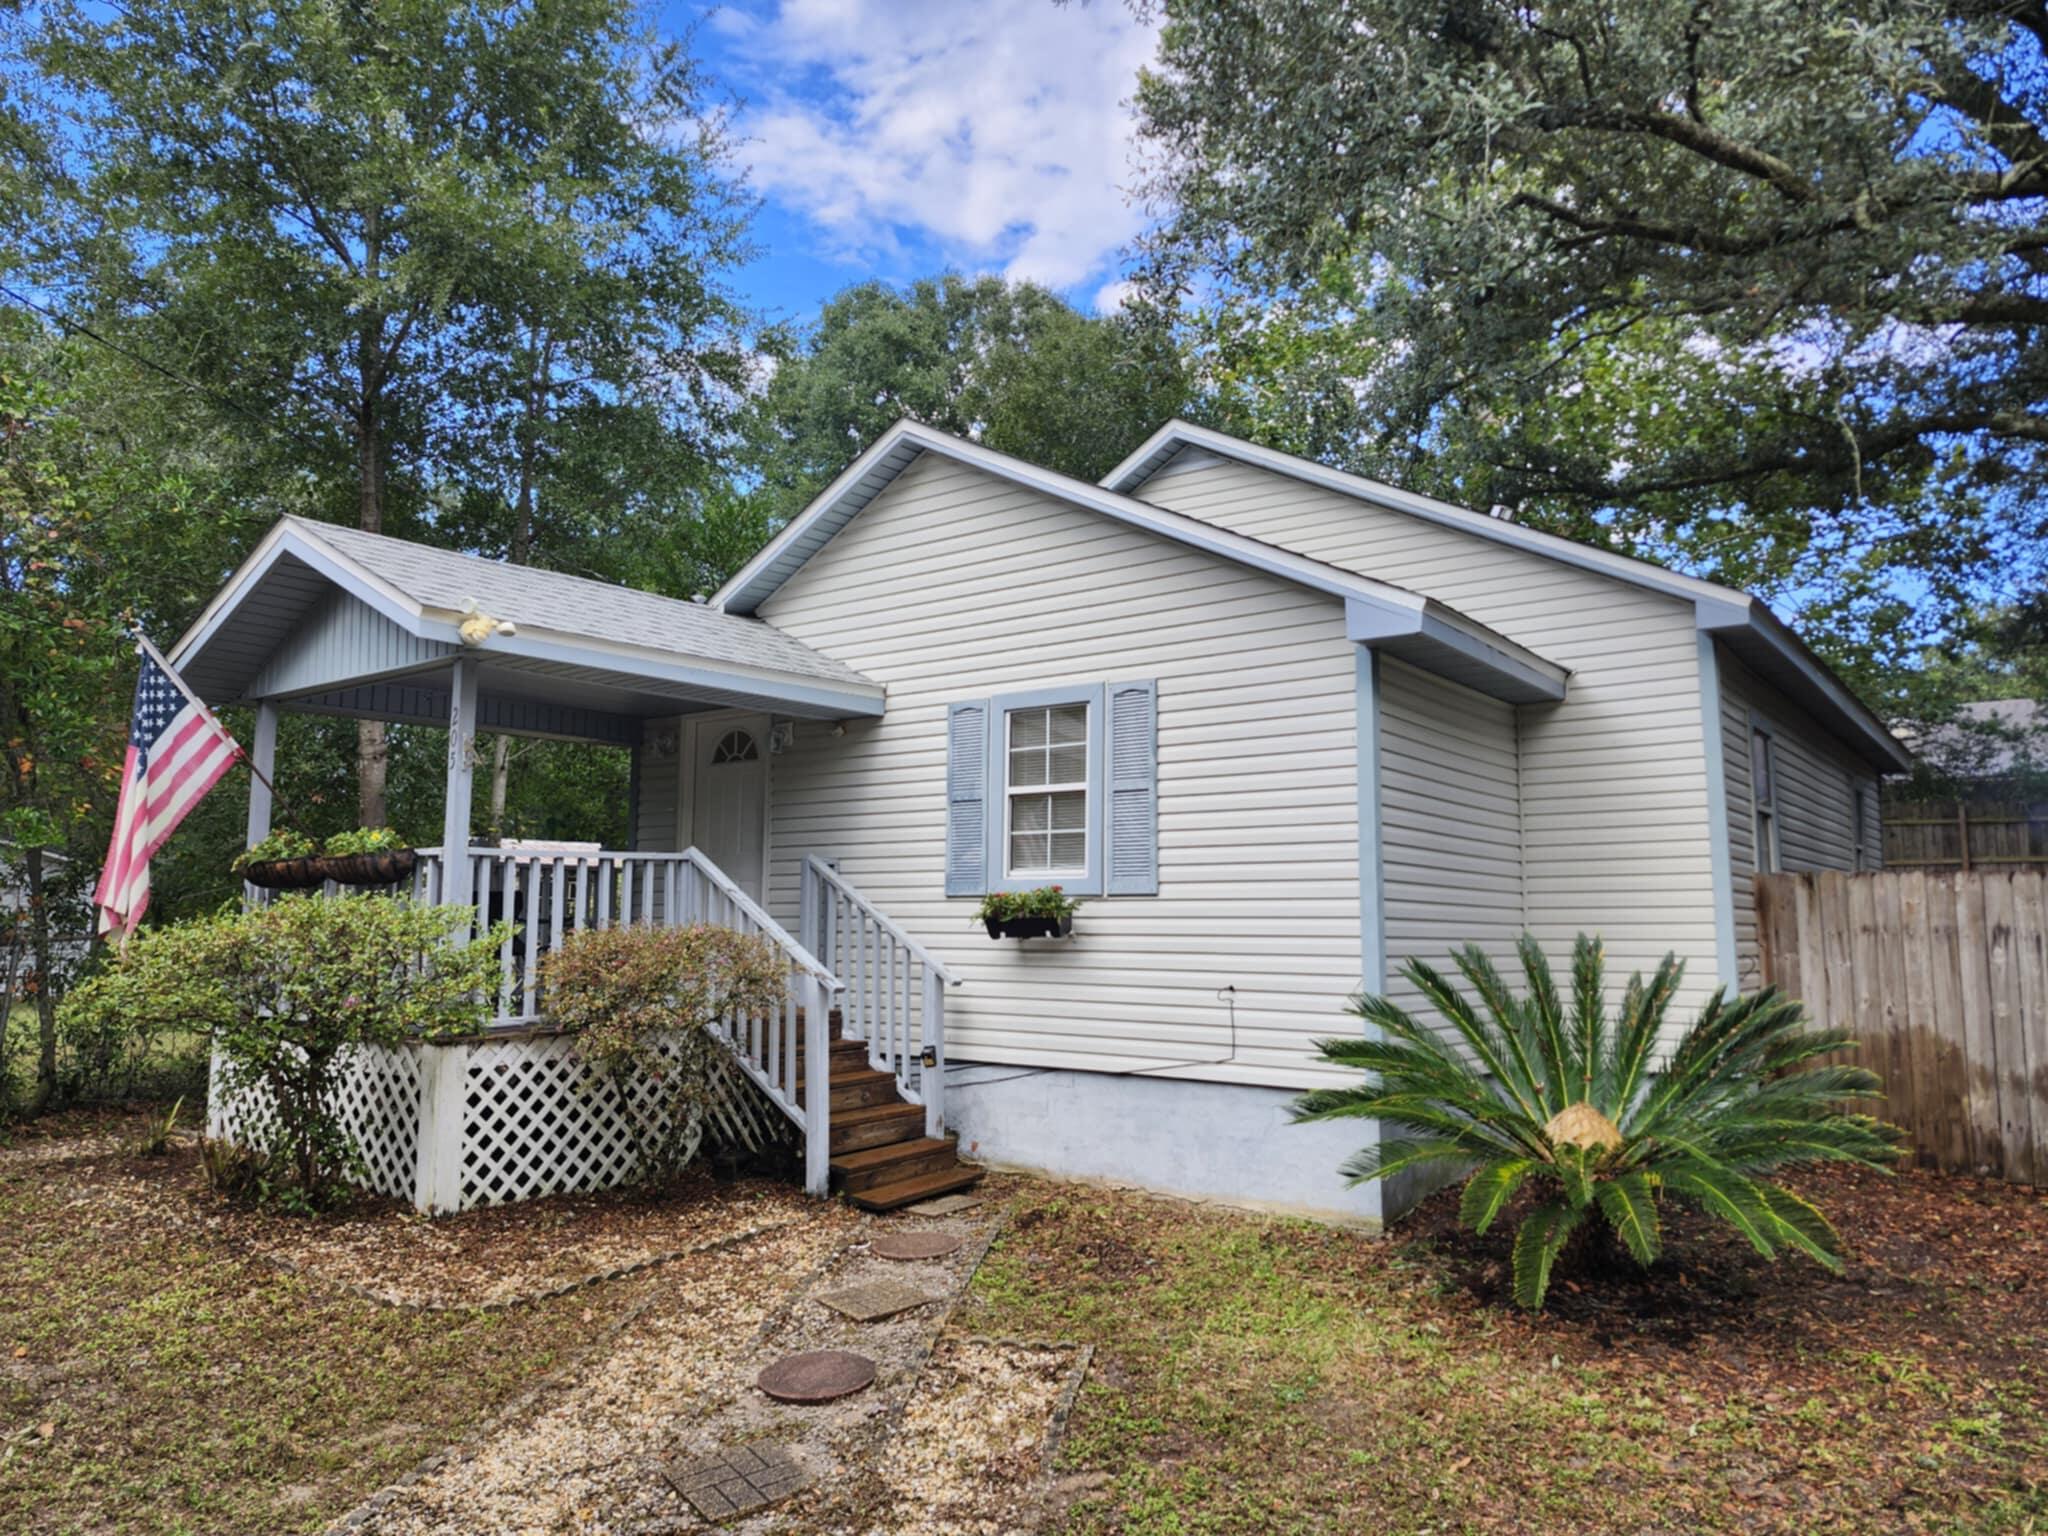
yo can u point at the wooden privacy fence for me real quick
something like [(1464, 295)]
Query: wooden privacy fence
[(1965, 834), (1944, 980)]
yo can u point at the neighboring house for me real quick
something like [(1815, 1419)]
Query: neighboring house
[(68, 946), (1279, 727), (1989, 744)]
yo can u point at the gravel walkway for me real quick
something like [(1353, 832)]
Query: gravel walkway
[(959, 1447)]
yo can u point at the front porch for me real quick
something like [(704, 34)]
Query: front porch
[(330, 621)]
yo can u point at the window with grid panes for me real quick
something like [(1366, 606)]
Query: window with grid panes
[(1045, 786)]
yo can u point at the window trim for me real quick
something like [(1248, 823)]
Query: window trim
[(1766, 848), (996, 795), (1015, 792)]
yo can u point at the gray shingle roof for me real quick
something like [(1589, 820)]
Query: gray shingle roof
[(576, 605)]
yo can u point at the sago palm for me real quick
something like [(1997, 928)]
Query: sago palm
[(1537, 1089)]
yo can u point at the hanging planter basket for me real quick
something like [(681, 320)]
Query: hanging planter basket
[(285, 874), (1030, 927), (387, 868)]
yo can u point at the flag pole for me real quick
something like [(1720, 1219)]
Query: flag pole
[(144, 648)]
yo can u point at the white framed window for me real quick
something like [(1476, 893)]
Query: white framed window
[(1763, 798), (1046, 790), (1056, 786)]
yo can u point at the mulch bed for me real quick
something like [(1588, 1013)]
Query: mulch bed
[(385, 1251), (1965, 1258)]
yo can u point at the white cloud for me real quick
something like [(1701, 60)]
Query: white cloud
[(1111, 297), (1000, 132)]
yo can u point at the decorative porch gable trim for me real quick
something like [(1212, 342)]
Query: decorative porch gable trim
[(438, 626)]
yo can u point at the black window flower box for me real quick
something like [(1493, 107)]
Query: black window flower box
[(1030, 927)]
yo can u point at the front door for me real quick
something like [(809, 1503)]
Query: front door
[(728, 797)]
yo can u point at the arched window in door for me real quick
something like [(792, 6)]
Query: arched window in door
[(735, 747)]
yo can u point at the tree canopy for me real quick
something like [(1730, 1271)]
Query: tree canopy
[(1011, 365), (439, 261), (1755, 287)]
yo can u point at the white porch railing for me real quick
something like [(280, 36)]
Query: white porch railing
[(548, 896), (894, 990)]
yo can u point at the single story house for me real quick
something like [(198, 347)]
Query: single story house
[(1276, 725)]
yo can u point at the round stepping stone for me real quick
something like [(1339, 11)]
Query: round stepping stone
[(816, 1377), (906, 1246)]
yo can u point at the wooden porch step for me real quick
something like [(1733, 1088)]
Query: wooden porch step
[(887, 1197), (856, 1088), (892, 1163), (844, 1053), (878, 1125)]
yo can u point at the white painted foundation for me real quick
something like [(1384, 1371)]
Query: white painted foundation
[(1207, 1141)]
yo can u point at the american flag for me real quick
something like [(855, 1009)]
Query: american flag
[(177, 751)]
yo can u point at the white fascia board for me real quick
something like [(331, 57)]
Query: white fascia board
[(1420, 636), (1737, 615), (848, 699), (823, 505), (290, 537), (745, 592), (1139, 466)]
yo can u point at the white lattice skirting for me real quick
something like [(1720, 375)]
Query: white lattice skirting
[(482, 1122)]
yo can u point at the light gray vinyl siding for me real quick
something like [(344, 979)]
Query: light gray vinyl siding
[(1450, 821), (658, 787), (344, 640), (1816, 800), (954, 586), (1614, 783)]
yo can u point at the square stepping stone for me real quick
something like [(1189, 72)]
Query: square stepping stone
[(945, 1205), (737, 1480), (876, 1300)]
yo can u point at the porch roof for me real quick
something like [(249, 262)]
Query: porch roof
[(333, 620)]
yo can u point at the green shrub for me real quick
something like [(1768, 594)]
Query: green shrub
[(128, 1030), (285, 991), (1532, 1092), (643, 1001)]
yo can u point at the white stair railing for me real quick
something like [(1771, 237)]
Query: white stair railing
[(894, 989), (548, 895)]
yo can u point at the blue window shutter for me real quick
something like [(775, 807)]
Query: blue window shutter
[(966, 799), (1133, 820)]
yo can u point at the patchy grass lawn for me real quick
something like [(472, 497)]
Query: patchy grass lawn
[(159, 1374), (1275, 1377), (159, 1379)]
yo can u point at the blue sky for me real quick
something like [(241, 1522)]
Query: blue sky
[(896, 138)]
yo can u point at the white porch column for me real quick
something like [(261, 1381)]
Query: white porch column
[(455, 883), (263, 758)]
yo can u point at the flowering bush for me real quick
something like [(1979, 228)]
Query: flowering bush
[(644, 1001), (286, 990), (1048, 901)]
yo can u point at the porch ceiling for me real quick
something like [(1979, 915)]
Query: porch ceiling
[(336, 621)]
